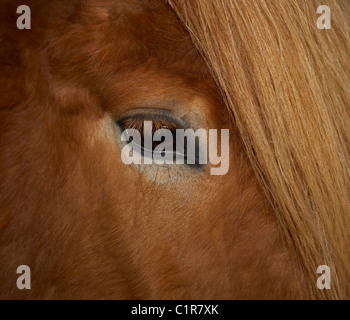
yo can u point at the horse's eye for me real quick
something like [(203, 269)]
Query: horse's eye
[(157, 135), (162, 134)]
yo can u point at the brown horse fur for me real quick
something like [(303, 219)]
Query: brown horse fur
[(90, 227)]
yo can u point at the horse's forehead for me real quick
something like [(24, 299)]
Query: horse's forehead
[(129, 39), (123, 33), (144, 19), (149, 25)]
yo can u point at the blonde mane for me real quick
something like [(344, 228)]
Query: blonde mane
[(286, 84)]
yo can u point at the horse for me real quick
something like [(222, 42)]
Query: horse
[(90, 227)]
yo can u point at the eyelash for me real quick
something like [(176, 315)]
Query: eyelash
[(138, 123)]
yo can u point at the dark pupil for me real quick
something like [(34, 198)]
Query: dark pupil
[(155, 144)]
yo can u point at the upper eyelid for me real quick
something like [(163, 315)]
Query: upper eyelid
[(153, 117)]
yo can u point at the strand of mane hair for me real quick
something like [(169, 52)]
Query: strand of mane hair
[(286, 85)]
